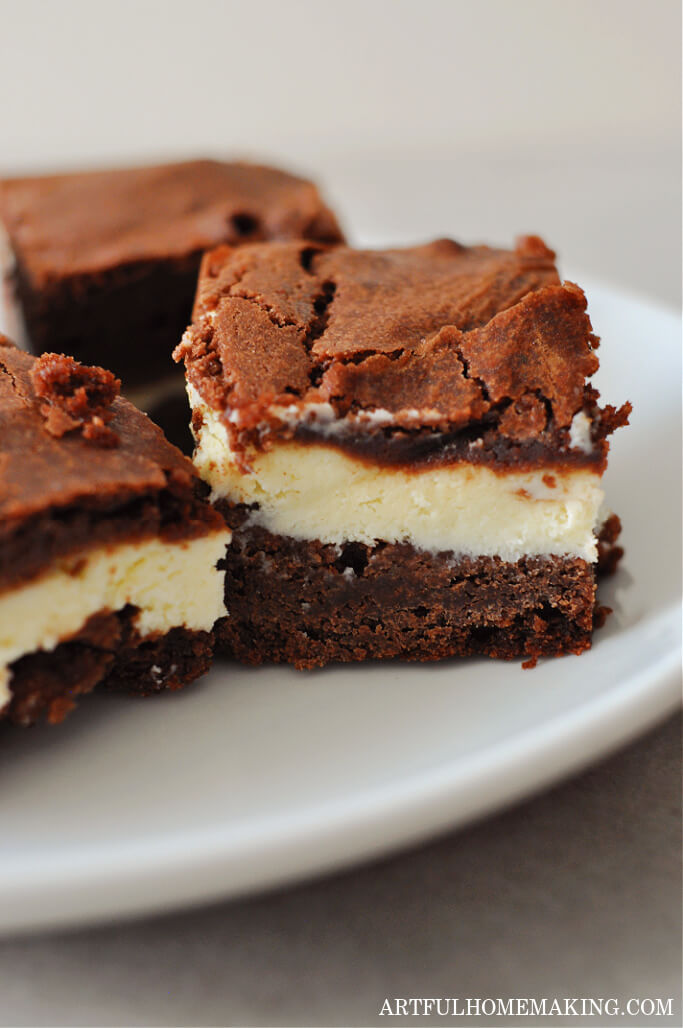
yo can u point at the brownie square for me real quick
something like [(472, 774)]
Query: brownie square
[(407, 447), (108, 545)]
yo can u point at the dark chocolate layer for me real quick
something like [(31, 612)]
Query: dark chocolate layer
[(107, 654), (308, 604), (478, 444), (60, 494)]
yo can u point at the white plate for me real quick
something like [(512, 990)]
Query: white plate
[(256, 777)]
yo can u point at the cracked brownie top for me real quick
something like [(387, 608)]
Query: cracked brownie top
[(441, 344), (82, 222)]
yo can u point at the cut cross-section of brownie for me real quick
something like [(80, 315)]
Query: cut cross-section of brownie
[(104, 264), (108, 546), (407, 448)]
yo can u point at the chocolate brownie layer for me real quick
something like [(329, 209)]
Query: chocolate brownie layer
[(108, 653), (481, 443), (309, 604), (61, 494), (106, 262), (479, 354)]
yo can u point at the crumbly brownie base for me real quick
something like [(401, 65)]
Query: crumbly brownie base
[(309, 604), (107, 654)]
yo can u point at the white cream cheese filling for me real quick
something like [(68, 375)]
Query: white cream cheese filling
[(174, 585), (580, 433), (314, 491)]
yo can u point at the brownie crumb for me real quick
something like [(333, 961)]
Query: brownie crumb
[(609, 554), (600, 615), (75, 398)]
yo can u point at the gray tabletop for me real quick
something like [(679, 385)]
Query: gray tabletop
[(576, 893)]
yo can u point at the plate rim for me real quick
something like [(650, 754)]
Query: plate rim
[(139, 879), (142, 877)]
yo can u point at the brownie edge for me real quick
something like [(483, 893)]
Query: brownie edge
[(106, 262)]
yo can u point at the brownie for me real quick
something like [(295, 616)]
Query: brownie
[(407, 446), (93, 502), (105, 262)]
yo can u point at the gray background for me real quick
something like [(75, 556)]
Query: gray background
[(480, 120)]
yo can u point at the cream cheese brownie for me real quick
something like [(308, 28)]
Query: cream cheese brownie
[(407, 448), (108, 546), (105, 263)]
